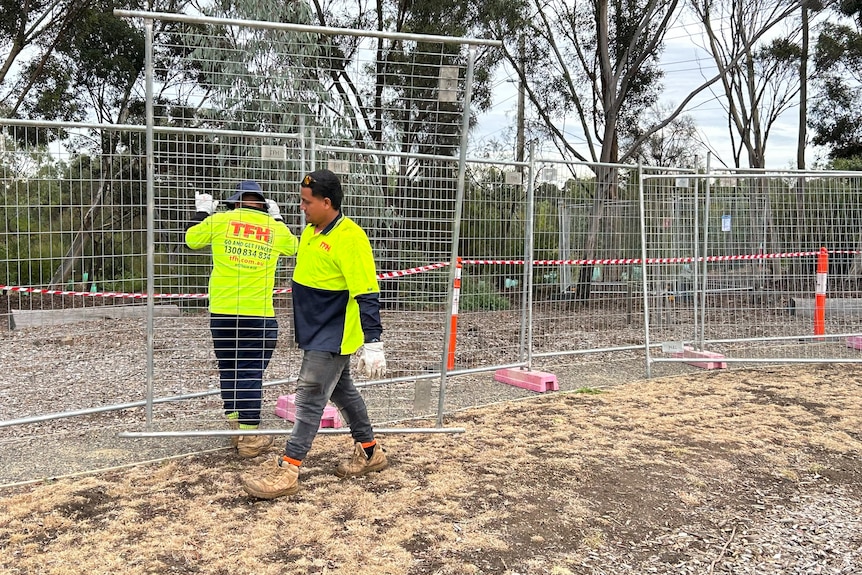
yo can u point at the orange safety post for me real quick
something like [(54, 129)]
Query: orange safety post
[(456, 296), (820, 293)]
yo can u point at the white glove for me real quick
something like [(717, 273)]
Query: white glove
[(273, 210), (205, 203), (372, 363)]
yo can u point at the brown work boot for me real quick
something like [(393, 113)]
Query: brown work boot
[(233, 424), (248, 446), (360, 464), (277, 479)]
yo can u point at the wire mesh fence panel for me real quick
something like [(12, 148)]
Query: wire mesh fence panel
[(73, 245), (747, 288), (270, 102), (211, 161), (406, 206), (586, 282), (73, 241), (73, 207), (552, 271), (494, 228), (235, 101)]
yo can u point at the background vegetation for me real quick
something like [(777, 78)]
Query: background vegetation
[(595, 63)]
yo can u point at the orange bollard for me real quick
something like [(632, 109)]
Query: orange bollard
[(456, 296), (820, 293)]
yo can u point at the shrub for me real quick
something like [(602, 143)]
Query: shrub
[(481, 296)]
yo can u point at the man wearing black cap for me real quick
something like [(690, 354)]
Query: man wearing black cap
[(246, 242), (336, 311)]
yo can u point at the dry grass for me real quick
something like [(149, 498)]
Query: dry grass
[(553, 484)]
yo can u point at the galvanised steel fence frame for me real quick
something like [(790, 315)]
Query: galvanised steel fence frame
[(731, 272), (655, 268)]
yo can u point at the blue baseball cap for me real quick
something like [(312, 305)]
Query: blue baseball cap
[(246, 188)]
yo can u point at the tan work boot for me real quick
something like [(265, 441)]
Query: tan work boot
[(360, 464), (248, 446), (233, 424), (277, 479)]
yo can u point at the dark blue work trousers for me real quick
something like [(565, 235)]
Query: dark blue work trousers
[(243, 347)]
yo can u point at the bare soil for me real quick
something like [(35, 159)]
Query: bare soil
[(735, 471)]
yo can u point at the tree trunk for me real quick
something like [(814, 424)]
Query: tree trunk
[(67, 266)]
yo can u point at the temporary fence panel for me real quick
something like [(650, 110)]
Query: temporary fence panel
[(746, 290), (236, 100), (261, 83), (602, 265), (493, 243), (407, 208), (73, 247), (588, 295)]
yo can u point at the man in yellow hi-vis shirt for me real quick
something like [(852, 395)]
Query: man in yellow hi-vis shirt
[(246, 242), (336, 311)]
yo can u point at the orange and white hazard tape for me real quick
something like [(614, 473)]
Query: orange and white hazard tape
[(434, 266)]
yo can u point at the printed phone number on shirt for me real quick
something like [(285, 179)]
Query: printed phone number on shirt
[(246, 252)]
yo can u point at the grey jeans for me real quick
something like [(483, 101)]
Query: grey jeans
[(325, 377)]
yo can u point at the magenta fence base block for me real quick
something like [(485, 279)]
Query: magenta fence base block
[(689, 352), (533, 380), (285, 408)]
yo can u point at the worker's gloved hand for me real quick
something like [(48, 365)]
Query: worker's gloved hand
[(372, 362), (273, 210), (205, 203)]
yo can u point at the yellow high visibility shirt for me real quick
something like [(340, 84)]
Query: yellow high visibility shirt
[(333, 267), (246, 244)]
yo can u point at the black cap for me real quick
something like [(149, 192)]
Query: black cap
[(324, 184), (321, 182), (247, 187)]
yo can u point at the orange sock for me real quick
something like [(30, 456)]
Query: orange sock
[(291, 460)]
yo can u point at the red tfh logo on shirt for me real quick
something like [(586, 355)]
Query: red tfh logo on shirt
[(248, 231), (325, 246)]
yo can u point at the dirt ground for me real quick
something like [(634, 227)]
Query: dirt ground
[(740, 471)]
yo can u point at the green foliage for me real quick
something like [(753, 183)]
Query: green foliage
[(52, 84), (837, 119), (573, 51), (481, 296), (836, 116), (492, 220), (829, 219), (426, 290), (30, 259), (849, 164), (184, 272), (105, 47), (89, 72), (588, 390)]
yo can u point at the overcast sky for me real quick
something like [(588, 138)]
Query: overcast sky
[(686, 65)]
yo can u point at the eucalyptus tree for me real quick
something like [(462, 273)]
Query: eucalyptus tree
[(759, 77), (251, 80), (836, 114), (760, 81), (28, 33), (676, 144), (66, 60), (596, 63), (398, 113)]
